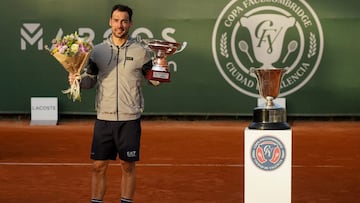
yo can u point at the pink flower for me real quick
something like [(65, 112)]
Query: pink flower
[(62, 49)]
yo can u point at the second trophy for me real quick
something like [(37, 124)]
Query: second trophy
[(270, 116), (161, 49)]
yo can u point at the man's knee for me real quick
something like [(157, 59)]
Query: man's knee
[(100, 167), (128, 167)]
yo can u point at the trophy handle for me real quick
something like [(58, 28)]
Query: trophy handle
[(184, 44), (252, 70), (286, 70)]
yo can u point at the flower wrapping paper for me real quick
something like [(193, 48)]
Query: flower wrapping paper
[(73, 53)]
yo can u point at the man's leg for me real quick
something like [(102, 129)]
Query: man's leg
[(128, 180), (98, 181)]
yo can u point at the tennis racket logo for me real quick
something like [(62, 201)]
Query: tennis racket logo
[(268, 153), (267, 34)]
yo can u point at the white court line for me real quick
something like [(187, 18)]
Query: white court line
[(138, 164), (157, 165)]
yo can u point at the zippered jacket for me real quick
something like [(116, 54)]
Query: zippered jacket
[(117, 73)]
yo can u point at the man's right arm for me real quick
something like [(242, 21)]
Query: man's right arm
[(89, 77)]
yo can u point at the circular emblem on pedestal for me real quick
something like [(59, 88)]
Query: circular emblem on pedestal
[(268, 153)]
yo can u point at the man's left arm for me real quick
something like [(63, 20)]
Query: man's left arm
[(145, 68)]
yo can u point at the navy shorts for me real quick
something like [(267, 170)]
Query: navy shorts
[(112, 138)]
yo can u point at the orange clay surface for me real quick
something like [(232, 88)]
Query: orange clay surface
[(181, 161)]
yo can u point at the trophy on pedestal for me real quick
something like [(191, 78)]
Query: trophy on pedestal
[(270, 116), (268, 51), (161, 49), (268, 138)]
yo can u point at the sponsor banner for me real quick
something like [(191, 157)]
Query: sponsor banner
[(315, 41)]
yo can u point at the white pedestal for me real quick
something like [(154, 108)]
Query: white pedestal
[(44, 111), (267, 166)]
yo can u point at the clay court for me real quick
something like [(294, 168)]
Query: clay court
[(181, 161)]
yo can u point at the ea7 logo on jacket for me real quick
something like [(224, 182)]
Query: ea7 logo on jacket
[(267, 34)]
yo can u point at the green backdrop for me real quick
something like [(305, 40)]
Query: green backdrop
[(197, 87)]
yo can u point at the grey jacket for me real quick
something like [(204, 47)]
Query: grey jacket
[(117, 73)]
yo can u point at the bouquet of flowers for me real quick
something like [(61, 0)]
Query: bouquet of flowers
[(73, 54)]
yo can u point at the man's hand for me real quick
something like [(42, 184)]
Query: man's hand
[(72, 78), (154, 82)]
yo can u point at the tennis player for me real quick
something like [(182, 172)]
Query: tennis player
[(116, 68)]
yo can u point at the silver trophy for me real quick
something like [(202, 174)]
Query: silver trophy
[(161, 49), (270, 116), (267, 50)]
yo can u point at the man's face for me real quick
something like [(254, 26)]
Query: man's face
[(120, 24)]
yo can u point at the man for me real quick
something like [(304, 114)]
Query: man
[(116, 67)]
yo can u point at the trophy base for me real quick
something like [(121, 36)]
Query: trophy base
[(269, 119), (269, 126), (161, 76)]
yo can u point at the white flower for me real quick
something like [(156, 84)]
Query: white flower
[(74, 48)]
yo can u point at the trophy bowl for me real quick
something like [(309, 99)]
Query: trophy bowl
[(161, 49), (269, 83), (270, 116)]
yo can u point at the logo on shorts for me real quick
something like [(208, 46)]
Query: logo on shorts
[(265, 34), (131, 154), (268, 153)]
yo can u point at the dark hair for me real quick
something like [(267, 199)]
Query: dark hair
[(120, 7)]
